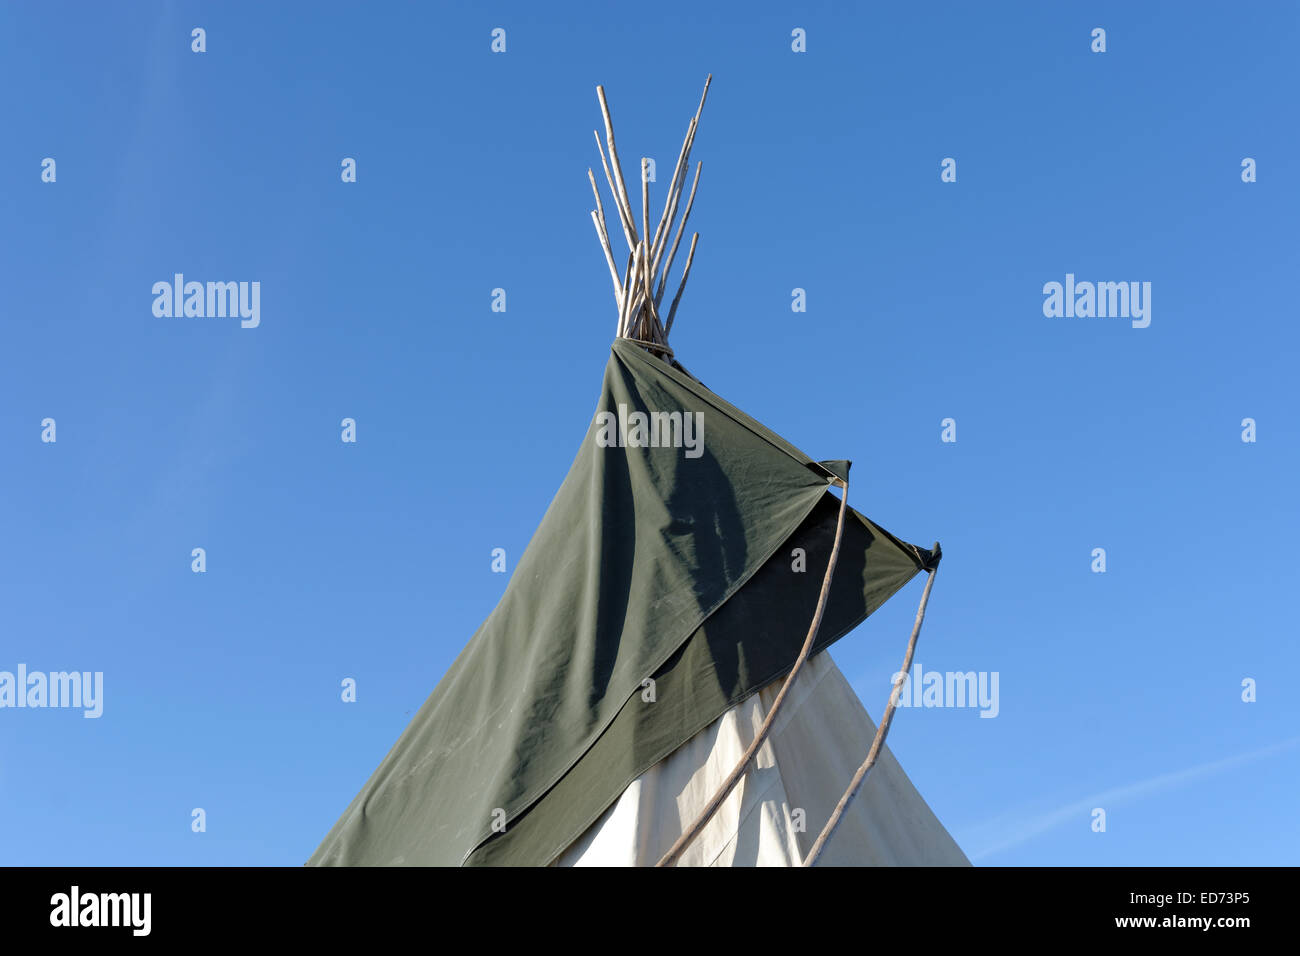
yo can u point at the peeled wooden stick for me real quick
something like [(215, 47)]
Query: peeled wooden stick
[(684, 163), (663, 274), (652, 330), (600, 207), (672, 313), (656, 331), (881, 733), (626, 300), (622, 214), (609, 258), (634, 327), (642, 316), (665, 220), (602, 233), (621, 194), (631, 324), (674, 197), (700, 109)]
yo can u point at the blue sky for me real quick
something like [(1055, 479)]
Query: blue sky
[(371, 560)]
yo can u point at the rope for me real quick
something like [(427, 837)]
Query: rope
[(729, 784), (653, 346), (881, 732)]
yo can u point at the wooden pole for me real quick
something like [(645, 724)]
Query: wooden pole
[(621, 192), (665, 218), (672, 313), (622, 216), (663, 276), (624, 310), (609, 258)]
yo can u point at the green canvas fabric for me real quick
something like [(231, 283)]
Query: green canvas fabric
[(747, 643), (650, 562)]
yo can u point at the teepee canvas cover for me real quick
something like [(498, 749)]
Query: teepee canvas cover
[(600, 709), (648, 564)]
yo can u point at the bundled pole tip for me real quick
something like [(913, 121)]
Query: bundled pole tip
[(639, 292)]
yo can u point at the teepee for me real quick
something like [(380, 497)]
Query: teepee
[(653, 686)]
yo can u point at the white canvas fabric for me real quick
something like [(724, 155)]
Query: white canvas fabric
[(820, 738)]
